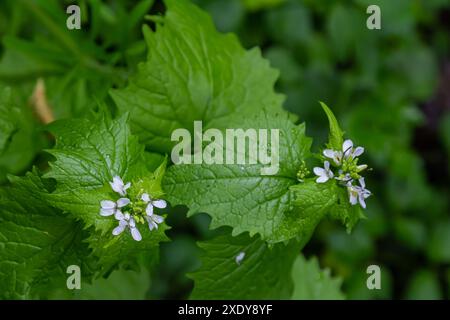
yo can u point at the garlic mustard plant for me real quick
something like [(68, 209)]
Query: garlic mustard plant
[(130, 213), (344, 157)]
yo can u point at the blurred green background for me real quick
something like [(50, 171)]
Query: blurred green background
[(389, 88)]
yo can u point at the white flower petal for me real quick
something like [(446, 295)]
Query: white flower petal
[(362, 183), (318, 171), (326, 165), (118, 230), (347, 146), (329, 153), (145, 197), (107, 212), (322, 179), (117, 180), (122, 202), (160, 204), (151, 224), (361, 201), (149, 209), (119, 215), (117, 184), (132, 223), (136, 234), (353, 196), (157, 219), (107, 204), (366, 193), (358, 151), (123, 223), (125, 187), (337, 157)]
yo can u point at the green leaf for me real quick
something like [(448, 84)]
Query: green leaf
[(153, 160), (237, 195), (192, 73), (274, 206), (138, 12), (37, 242), (263, 273), (122, 251), (312, 283), (335, 138), (89, 153), (120, 285), (19, 137), (314, 201)]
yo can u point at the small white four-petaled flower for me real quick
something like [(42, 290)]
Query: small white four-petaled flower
[(118, 186), (358, 193), (346, 161), (336, 156), (153, 219), (324, 173), (347, 152), (109, 207), (134, 212), (126, 221)]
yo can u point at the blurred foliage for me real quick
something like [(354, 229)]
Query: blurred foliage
[(120, 285), (310, 282), (19, 137), (79, 66), (389, 88)]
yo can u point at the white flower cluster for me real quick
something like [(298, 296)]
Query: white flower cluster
[(129, 213), (346, 162)]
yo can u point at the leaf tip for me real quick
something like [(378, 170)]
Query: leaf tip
[(336, 135)]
